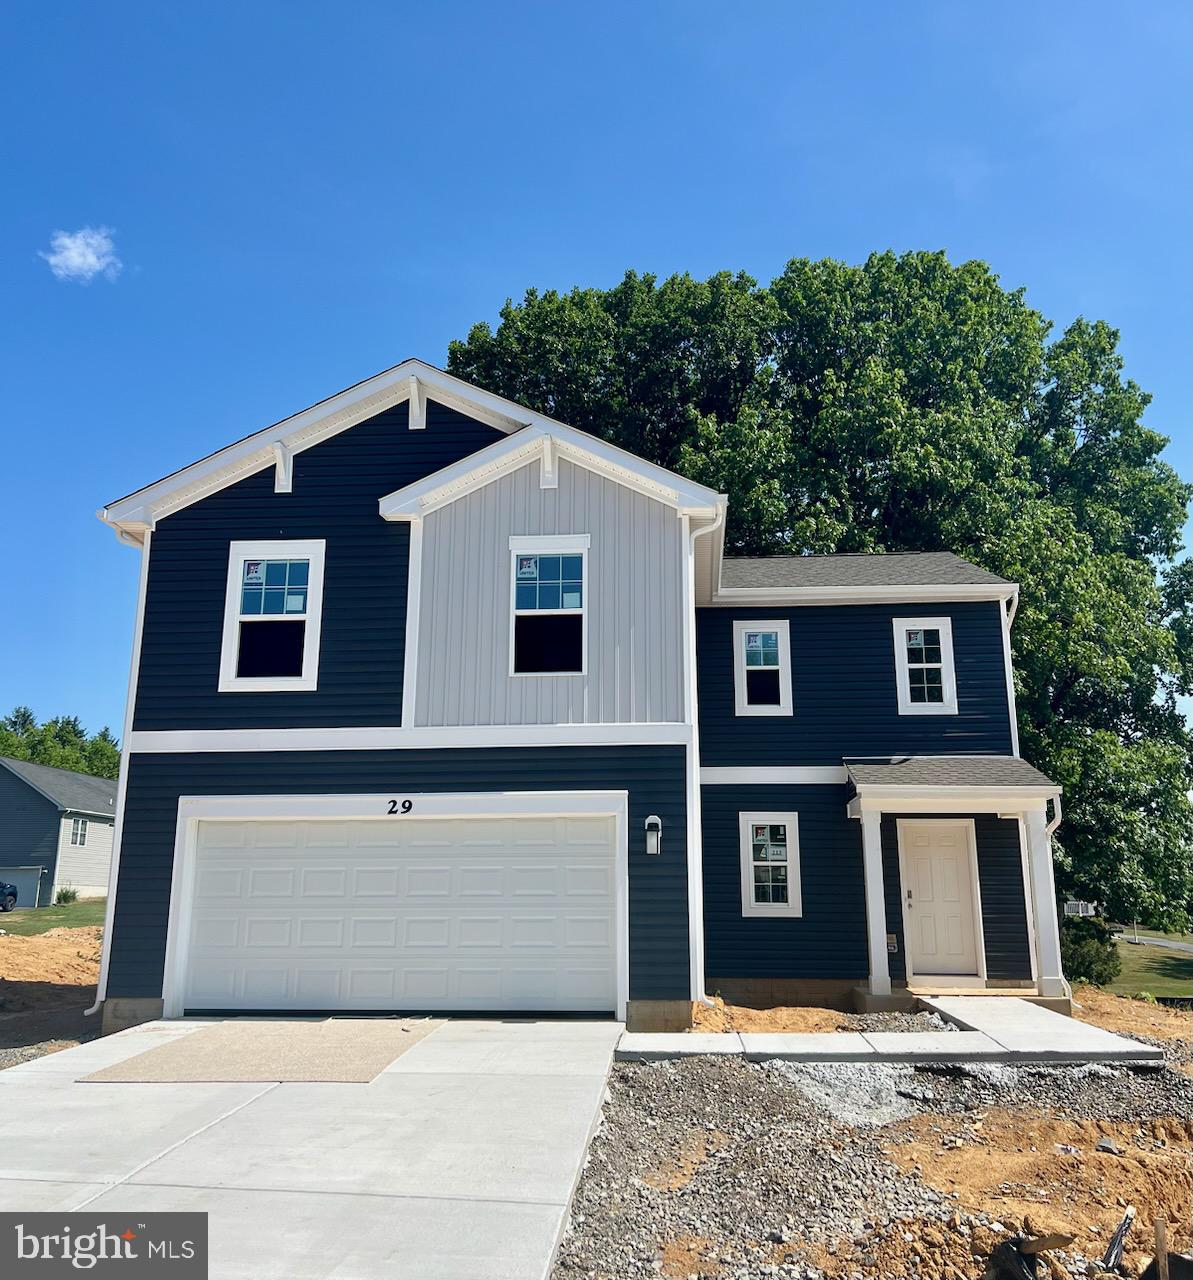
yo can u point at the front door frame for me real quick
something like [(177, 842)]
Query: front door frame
[(971, 837), (424, 806)]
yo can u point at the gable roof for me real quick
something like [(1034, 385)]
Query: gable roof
[(548, 443), (72, 792), (412, 381), (890, 569), (946, 771)]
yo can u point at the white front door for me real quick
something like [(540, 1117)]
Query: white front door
[(448, 913), (939, 897)]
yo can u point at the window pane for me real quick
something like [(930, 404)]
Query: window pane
[(770, 657), (761, 852), (762, 893), (548, 642), (572, 595), (549, 568), (250, 600), (770, 639), (573, 568), (296, 601), (254, 572), (275, 600), (762, 688), (753, 657), (528, 568), (299, 573), (548, 595), (778, 892), (526, 595), (271, 648), (777, 833), (275, 573), (778, 875)]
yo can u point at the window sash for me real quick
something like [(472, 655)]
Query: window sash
[(770, 865), (550, 579), (78, 832)]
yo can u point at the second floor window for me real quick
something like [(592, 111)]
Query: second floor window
[(548, 619), (78, 832), (272, 616), (762, 668), (924, 666)]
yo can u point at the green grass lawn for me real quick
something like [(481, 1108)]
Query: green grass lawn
[(1129, 931), (1152, 969), (30, 920)]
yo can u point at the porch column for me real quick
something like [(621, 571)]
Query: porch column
[(880, 974), (1043, 896)]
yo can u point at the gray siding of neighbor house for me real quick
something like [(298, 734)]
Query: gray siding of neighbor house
[(829, 940), (634, 606), (1000, 881), (654, 777), (843, 688), (29, 826), (336, 488)]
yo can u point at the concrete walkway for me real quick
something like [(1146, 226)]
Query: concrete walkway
[(457, 1162), (994, 1029)]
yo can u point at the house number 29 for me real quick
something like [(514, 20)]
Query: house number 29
[(402, 806)]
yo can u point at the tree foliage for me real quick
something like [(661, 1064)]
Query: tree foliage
[(912, 404), (61, 742)]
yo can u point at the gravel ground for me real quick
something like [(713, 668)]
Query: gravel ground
[(770, 1168), (926, 1020), (11, 1057)]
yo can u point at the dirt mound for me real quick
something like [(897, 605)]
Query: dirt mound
[(732, 1017), (1012, 1165), (45, 969), (1131, 1017)]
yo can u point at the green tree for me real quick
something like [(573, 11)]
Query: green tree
[(61, 742), (911, 404)]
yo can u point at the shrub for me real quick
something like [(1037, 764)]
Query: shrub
[(1088, 952), (67, 893)]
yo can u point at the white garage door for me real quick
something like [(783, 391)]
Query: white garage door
[(446, 913)]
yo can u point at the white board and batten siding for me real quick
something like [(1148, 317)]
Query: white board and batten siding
[(634, 605), (86, 868)]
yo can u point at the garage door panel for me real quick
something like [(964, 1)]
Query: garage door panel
[(457, 913)]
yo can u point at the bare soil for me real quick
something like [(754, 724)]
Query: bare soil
[(1131, 1017), (46, 981), (734, 1017)]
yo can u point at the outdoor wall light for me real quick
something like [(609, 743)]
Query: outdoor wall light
[(654, 834)]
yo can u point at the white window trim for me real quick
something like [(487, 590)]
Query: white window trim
[(78, 833), (948, 673), (312, 550), (551, 544), (741, 706), (793, 908)]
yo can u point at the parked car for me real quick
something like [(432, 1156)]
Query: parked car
[(8, 896)]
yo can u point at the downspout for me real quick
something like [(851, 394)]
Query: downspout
[(695, 825), (1056, 815), (101, 989)]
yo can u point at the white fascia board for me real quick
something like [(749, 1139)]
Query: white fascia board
[(395, 738), (139, 510), (498, 459), (765, 597)]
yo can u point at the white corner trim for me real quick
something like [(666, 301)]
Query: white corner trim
[(396, 738), (417, 420), (283, 476), (948, 671), (1012, 710), (126, 751), (741, 705), (414, 590), (426, 807), (793, 908), (771, 775), (310, 549)]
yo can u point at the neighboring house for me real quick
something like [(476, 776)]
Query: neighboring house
[(55, 831), (437, 703)]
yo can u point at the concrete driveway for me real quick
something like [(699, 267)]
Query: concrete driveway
[(458, 1161)]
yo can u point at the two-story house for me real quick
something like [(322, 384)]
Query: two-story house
[(437, 703)]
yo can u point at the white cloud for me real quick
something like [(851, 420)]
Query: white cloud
[(82, 255)]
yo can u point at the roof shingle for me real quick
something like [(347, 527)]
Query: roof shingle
[(75, 792), (890, 569), (946, 771)]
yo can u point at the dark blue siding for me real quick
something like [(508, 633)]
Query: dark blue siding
[(1000, 880), (336, 488), (829, 940), (653, 776), (843, 688), (29, 826)]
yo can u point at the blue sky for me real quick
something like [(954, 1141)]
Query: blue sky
[(299, 195)]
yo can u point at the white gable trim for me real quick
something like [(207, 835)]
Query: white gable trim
[(548, 445)]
